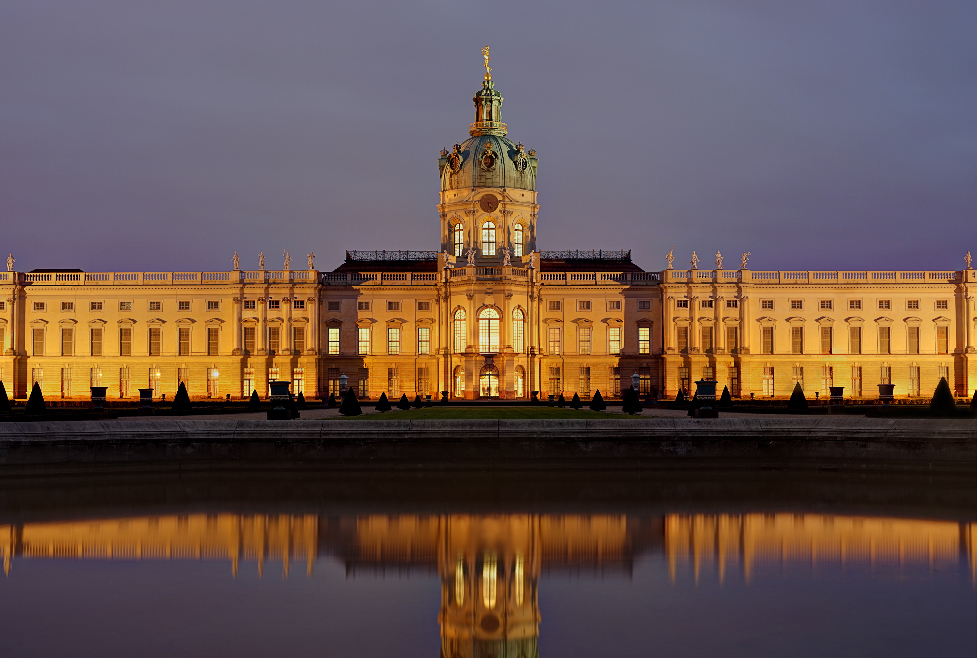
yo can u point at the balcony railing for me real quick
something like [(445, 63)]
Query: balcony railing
[(793, 277), (161, 278)]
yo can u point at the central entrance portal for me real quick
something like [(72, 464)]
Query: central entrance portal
[(488, 382)]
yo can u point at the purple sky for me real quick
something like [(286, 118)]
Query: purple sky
[(822, 134)]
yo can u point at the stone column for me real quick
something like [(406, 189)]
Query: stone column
[(693, 326), (667, 336), (745, 329), (719, 332)]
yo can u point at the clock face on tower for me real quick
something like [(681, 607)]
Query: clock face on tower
[(488, 203)]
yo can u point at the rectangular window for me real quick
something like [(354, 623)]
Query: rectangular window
[(424, 340), (393, 383), (67, 306), (644, 339), (684, 379), (682, 339), (250, 305), (423, 306), (679, 303), (584, 382), (914, 385), (274, 304), (423, 385), (942, 340), (827, 379), (247, 385), (554, 340), (706, 303), (298, 339), (249, 340), (644, 380), (125, 341), (125, 306), (95, 376), (96, 341), (332, 334), (393, 340), (912, 304), (826, 340), (732, 338), (95, 306), (518, 335), (767, 341), (732, 303), (393, 306), (733, 372), (39, 306), (37, 377), (66, 382), (274, 339), (183, 377), (553, 305), (183, 306), (855, 340), (913, 340), (945, 372), (708, 373), (797, 377), (154, 379), (616, 381), (797, 340), (854, 305), (856, 381), (155, 306), (273, 376), (332, 382), (707, 339), (124, 382), (614, 305), (645, 304), (884, 343), (583, 305), (942, 305), (796, 304), (584, 335), (298, 304), (556, 386), (213, 382), (213, 305), (155, 341), (766, 304), (298, 381), (885, 305), (362, 306), (213, 341), (364, 382), (184, 347), (885, 375), (826, 304), (614, 340), (67, 341), (332, 306), (363, 340), (769, 384)]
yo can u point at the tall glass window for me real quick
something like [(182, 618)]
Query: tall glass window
[(614, 340), (584, 336), (458, 239), (461, 326), (393, 340), (554, 340), (363, 340), (488, 330), (333, 336), (644, 340), (424, 340), (517, 241), (488, 239), (518, 335)]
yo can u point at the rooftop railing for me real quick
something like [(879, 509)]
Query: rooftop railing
[(490, 273), (161, 278), (794, 277)]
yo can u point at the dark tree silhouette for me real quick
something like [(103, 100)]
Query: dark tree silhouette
[(383, 404), (597, 402), (725, 400), (631, 404), (300, 401), (418, 402), (4, 400), (181, 401), (403, 403), (254, 402), (561, 401), (797, 400), (575, 403), (350, 405), (942, 402), (35, 403)]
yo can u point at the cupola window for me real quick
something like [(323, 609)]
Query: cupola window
[(517, 241), (459, 240), (488, 239), (488, 331)]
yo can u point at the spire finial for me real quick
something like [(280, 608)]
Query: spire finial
[(488, 69)]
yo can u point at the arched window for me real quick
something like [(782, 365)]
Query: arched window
[(460, 327), (488, 382), (488, 331), (458, 239), (518, 337), (459, 382), (520, 382), (488, 239), (517, 241)]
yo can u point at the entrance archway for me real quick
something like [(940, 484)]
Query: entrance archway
[(488, 382)]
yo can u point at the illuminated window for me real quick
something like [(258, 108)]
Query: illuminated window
[(583, 386), (614, 340), (363, 340), (554, 340), (459, 240), (184, 347), (298, 339), (556, 386), (461, 327), (393, 383), (797, 340), (488, 330), (518, 336), (517, 241), (584, 339), (679, 303), (424, 340), (488, 239), (249, 341), (393, 340), (644, 339), (332, 335), (490, 571), (155, 341)]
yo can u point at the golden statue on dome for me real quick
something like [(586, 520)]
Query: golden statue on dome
[(488, 69)]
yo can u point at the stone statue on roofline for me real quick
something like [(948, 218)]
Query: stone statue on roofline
[(719, 260), (261, 261), (670, 257), (967, 259), (745, 257), (11, 260), (288, 260), (237, 261), (532, 260), (695, 261), (311, 260)]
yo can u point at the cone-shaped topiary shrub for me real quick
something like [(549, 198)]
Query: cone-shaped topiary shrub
[(679, 400), (35, 403), (942, 402), (630, 402), (254, 402), (973, 403), (418, 402), (725, 400), (383, 404), (403, 403), (300, 401), (797, 400), (597, 402), (181, 401), (350, 405), (561, 401), (575, 403), (4, 400)]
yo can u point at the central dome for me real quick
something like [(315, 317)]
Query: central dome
[(488, 158)]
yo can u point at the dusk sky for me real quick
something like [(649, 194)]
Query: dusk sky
[(165, 136)]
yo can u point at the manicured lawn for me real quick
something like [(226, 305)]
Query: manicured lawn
[(490, 413)]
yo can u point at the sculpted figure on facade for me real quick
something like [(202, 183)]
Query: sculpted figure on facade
[(288, 260), (261, 261), (695, 261), (719, 260), (506, 262), (10, 262), (968, 260), (471, 255), (311, 260), (532, 260), (237, 261), (670, 257), (745, 257)]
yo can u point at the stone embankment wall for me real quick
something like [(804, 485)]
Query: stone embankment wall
[(726, 442)]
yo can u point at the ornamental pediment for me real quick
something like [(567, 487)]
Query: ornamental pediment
[(912, 319), (794, 319), (396, 322), (185, 321), (68, 321), (365, 323), (98, 321), (156, 321), (882, 319), (613, 322), (825, 320), (127, 321), (583, 322), (855, 320), (941, 320)]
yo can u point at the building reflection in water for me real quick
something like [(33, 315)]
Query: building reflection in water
[(489, 566)]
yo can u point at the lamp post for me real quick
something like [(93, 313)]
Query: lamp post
[(343, 380), (635, 381)]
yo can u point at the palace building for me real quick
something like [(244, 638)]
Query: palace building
[(487, 314)]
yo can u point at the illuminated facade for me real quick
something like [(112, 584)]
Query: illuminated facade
[(488, 314)]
